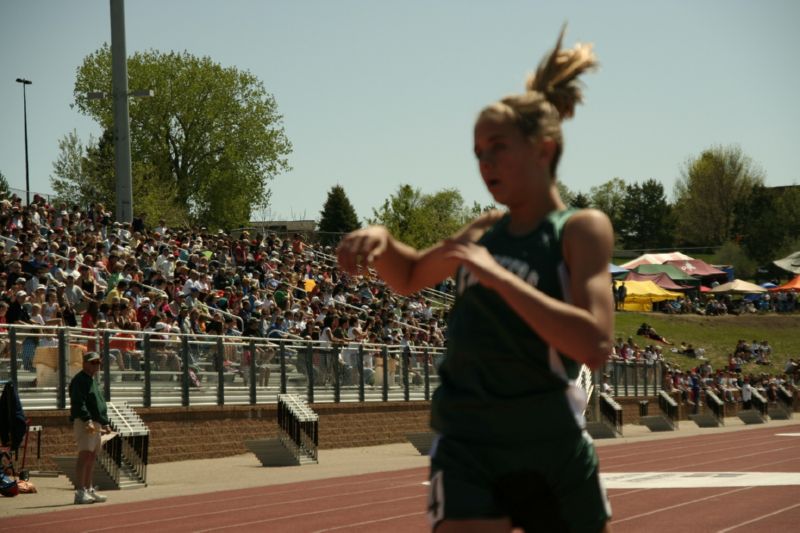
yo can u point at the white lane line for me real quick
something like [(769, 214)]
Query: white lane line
[(756, 519), (261, 506), (691, 449), (618, 494), (693, 480), (699, 442), (761, 465), (760, 452), (690, 502), (787, 434), (310, 513), (368, 522), (239, 498)]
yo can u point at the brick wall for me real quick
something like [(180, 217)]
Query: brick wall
[(178, 434)]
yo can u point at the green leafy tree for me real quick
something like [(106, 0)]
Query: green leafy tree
[(420, 219), (211, 134), (646, 220), (567, 196), (440, 215), (5, 191), (85, 175), (68, 180), (609, 198), (709, 189), (767, 223), (732, 254), (337, 217)]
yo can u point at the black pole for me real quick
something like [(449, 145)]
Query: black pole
[(25, 82), (148, 363), (27, 168), (12, 351), (219, 358), (106, 366), (252, 371), (185, 371), (406, 360), (63, 368), (337, 385), (427, 370), (385, 387), (360, 372)]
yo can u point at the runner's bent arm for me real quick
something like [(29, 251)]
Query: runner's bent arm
[(582, 329), (404, 268)]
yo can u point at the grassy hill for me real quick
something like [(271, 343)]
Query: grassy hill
[(718, 335)]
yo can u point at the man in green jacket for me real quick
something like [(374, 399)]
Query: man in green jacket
[(89, 416)]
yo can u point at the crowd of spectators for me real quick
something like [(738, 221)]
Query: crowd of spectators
[(732, 384), (62, 265), (630, 351), (719, 305), (729, 386)]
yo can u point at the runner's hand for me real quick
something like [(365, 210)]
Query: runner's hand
[(476, 259), (362, 247)]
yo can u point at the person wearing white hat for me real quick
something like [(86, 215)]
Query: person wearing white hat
[(89, 416)]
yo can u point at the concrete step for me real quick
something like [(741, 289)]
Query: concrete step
[(751, 416), (600, 430), (658, 423), (100, 477), (705, 420), (422, 441), (779, 412), (273, 452)]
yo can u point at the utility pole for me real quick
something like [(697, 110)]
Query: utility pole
[(122, 140)]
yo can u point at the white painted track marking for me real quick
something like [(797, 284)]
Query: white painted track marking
[(692, 480), (758, 518)]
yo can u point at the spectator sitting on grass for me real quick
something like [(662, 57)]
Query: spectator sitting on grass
[(649, 331)]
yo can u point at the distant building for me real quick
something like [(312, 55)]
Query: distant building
[(283, 228)]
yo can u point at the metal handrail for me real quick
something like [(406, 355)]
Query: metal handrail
[(372, 371), (717, 406), (669, 407), (611, 411), (759, 402)]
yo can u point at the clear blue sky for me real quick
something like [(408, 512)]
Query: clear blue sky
[(375, 94)]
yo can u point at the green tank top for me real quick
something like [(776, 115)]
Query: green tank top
[(499, 379)]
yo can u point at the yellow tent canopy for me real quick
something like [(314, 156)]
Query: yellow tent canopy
[(642, 294)]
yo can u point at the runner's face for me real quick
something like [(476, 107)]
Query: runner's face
[(512, 167)]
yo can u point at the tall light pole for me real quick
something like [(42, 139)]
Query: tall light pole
[(122, 138), (25, 82)]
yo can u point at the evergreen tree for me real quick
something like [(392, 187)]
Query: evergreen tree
[(5, 192), (337, 217), (647, 221), (580, 201)]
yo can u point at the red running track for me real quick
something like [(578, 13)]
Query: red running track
[(395, 501)]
